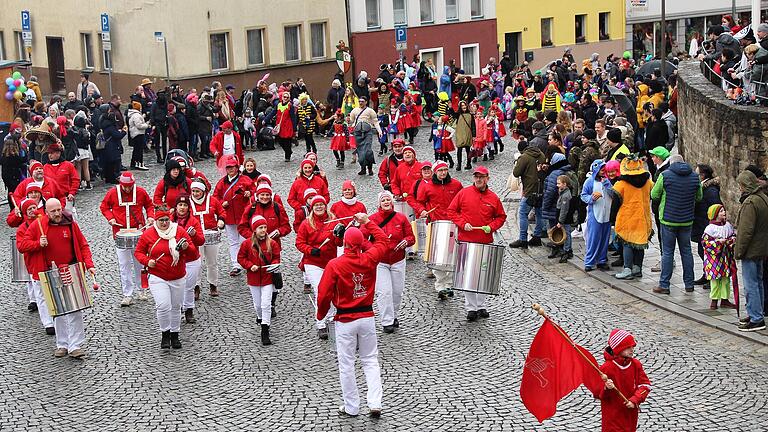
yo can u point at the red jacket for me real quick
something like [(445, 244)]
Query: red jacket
[(630, 378), (64, 175), (234, 195), (198, 238), (397, 230), (415, 194), (217, 146), (209, 212), (387, 169), (274, 213), (248, 257), (405, 176), (21, 232), (38, 258), (300, 216), (50, 190), (301, 184), (168, 196), (438, 195), (151, 246), (132, 209), (478, 209), (349, 281), (308, 238), (342, 210)]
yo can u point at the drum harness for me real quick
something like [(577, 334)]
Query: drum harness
[(127, 205)]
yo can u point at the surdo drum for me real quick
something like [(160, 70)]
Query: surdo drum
[(478, 267)]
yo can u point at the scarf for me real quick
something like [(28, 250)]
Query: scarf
[(349, 201), (170, 235), (281, 107), (173, 182)]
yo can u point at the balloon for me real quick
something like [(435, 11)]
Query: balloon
[(9, 81), (11, 87), (17, 82), (16, 75), (9, 95), (17, 95), (22, 88)]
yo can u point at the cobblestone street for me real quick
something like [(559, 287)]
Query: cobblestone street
[(439, 372)]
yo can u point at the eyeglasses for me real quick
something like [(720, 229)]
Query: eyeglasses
[(164, 220)]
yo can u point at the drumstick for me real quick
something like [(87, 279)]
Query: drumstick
[(324, 242), (339, 219), (96, 285), (40, 224)]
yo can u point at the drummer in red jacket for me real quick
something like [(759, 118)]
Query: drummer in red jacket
[(418, 188), (31, 214), (47, 185), (407, 172), (35, 193), (478, 213), (234, 191), (173, 184), (389, 165), (164, 250), (348, 283), (390, 273), (347, 206), (63, 174), (124, 207), (186, 221), (226, 142), (57, 239), (278, 223), (434, 201), (307, 179), (211, 214)]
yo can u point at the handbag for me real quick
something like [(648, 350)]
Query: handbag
[(101, 142)]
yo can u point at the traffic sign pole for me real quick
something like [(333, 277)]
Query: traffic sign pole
[(26, 32), (106, 44), (401, 43)]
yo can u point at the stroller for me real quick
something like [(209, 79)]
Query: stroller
[(265, 140)]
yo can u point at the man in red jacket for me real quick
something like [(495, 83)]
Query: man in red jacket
[(226, 142), (348, 282), (234, 191), (37, 175), (63, 174), (478, 212), (389, 165), (58, 240), (434, 201), (124, 207)]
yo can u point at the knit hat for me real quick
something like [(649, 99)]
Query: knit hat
[(183, 198), (180, 159), (438, 165), (197, 184), (537, 126), (265, 178), (25, 205), (171, 164), (590, 134), (762, 27), (226, 125), (34, 187), (126, 178), (713, 211), (309, 193), (409, 148), (257, 221), (263, 188), (307, 161), (426, 164), (384, 194), (660, 152), (614, 135), (349, 184), (33, 165), (353, 237), (317, 199), (619, 340)]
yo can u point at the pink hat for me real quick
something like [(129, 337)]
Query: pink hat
[(438, 165), (257, 221), (426, 164), (127, 178)]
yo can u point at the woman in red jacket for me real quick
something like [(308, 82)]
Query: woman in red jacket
[(173, 184), (316, 241), (226, 142), (347, 206), (186, 221), (278, 223), (307, 179), (390, 273), (300, 216), (234, 191), (211, 214), (164, 249), (260, 257)]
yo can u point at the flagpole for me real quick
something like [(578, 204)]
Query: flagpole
[(537, 307)]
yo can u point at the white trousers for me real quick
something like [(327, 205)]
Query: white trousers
[(234, 239), (70, 207), (262, 302), (360, 334), (168, 296), (314, 274), (443, 280), (70, 331), (190, 280), (31, 292), (306, 279), (42, 306), (390, 282), (130, 271), (210, 252), (474, 301)]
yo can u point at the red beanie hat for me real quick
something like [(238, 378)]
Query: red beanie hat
[(307, 161), (438, 165), (127, 178), (349, 184), (619, 340), (309, 193), (226, 125), (410, 149), (33, 165), (257, 221), (263, 188), (317, 199), (25, 205), (264, 178), (34, 187), (231, 161), (353, 237)]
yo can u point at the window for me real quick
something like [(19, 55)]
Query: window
[(605, 25), (106, 57), (3, 56), (426, 12), (21, 52), (546, 32), (476, 8), (219, 54), (255, 41), (292, 43), (87, 47), (451, 10), (580, 27), (400, 13), (317, 34), (470, 59), (372, 13)]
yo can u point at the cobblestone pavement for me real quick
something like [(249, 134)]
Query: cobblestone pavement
[(439, 372)]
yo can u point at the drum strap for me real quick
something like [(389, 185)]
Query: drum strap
[(359, 309), (387, 219)]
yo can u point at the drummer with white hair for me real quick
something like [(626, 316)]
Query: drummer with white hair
[(207, 208), (124, 207), (478, 213)]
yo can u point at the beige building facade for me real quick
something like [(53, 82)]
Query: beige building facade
[(232, 41)]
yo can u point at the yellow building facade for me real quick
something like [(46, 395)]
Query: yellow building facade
[(541, 31)]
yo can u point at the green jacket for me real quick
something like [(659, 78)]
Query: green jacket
[(658, 195), (525, 169), (751, 235)]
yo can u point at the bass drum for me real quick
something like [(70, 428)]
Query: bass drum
[(478, 268), (65, 289), (440, 253)]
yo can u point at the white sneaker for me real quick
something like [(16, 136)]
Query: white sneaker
[(577, 234), (143, 294), (127, 301)]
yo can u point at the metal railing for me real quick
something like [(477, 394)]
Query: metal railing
[(718, 80)]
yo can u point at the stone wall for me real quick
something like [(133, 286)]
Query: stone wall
[(714, 131)]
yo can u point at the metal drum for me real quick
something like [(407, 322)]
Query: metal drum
[(440, 253), (65, 289), (19, 270), (419, 227), (212, 237), (127, 238), (404, 208), (478, 268)]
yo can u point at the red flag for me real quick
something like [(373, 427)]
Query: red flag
[(553, 369)]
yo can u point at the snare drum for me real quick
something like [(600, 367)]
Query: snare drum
[(18, 269), (212, 237), (65, 289), (127, 238), (419, 227), (478, 268), (440, 253), (404, 208)]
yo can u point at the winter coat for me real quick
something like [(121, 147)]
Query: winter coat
[(191, 223), (204, 111), (232, 192), (40, 257), (656, 134), (335, 97), (248, 256), (540, 140), (397, 230), (387, 171), (590, 152), (130, 214), (477, 208), (114, 136), (438, 195), (273, 212), (405, 176), (633, 221), (301, 184), (167, 195), (309, 238), (64, 174), (751, 235), (551, 193), (136, 124), (209, 211), (152, 247), (677, 191), (725, 40), (527, 171)]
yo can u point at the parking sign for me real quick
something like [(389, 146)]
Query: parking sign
[(26, 25), (104, 23)]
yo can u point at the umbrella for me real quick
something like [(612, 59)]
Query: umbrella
[(626, 105), (646, 69)]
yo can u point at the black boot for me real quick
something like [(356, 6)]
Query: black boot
[(556, 251), (175, 342), (450, 160), (370, 169), (165, 342), (274, 301), (265, 335)]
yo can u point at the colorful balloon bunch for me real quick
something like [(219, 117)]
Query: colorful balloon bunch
[(16, 87)]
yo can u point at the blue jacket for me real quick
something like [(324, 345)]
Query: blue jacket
[(445, 80), (549, 202), (678, 188)]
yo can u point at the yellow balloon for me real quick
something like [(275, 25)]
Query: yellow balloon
[(17, 95)]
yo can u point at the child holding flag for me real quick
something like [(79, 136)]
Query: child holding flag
[(626, 378)]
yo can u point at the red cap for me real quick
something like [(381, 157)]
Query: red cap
[(226, 125), (257, 221), (398, 141), (33, 165), (480, 170), (426, 164), (127, 178), (231, 161), (353, 237)]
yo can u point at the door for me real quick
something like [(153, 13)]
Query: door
[(56, 64), (512, 46)]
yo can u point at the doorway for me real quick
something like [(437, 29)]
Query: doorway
[(436, 54), (512, 46), (55, 49)]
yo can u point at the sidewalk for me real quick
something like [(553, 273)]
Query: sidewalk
[(694, 306)]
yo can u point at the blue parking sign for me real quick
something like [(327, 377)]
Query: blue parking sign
[(26, 25), (401, 34), (104, 23)]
